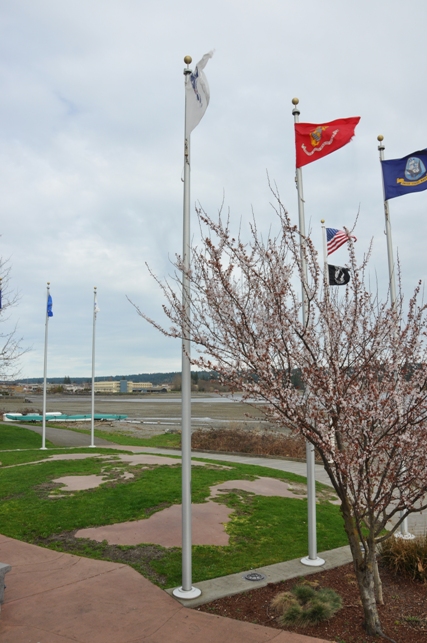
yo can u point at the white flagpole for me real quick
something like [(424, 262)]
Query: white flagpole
[(404, 527), (325, 251), (92, 428), (187, 591), (391, 271), (312, 559), (326, 285), (45, 368)]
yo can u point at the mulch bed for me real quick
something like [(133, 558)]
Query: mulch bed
[(403, 617)]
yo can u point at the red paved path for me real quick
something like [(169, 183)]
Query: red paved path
[(59, 598)]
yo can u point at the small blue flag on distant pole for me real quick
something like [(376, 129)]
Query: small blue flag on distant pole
[(49, 306)]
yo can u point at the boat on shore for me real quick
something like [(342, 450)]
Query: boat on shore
[(61, 417)]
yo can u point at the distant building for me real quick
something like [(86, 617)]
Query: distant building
[(126, 386), (142, 387), (110, 387)]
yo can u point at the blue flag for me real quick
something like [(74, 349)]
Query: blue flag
[(402, 176), (49, 306)]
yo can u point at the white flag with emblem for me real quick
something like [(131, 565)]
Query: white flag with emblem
[(197, 95)]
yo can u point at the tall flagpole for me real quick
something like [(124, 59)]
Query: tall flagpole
[(404, 527), (187, 591), (45, 367), (92, 427), (326, 285), (391, 271), (325, 251), (312, 559)]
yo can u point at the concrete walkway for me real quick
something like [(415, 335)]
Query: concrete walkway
[(65, 437), (53, 597)]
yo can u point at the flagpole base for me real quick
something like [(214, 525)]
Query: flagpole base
[(407, 536), (312, 562), (194, 592), (43, 448)]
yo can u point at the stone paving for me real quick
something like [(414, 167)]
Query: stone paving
[(208, 519), (53, 597), (164, 527)]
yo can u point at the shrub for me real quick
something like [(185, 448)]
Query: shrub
[(239, 440), (306, 605), (407, 557)]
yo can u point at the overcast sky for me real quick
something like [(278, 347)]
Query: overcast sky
[(91, 149)]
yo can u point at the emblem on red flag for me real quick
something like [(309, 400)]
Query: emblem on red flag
[(316, 135)]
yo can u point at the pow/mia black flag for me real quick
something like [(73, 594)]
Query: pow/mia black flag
[(338, 276)]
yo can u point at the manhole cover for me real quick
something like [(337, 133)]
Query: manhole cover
[(254, 576)]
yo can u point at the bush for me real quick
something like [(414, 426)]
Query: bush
[(306, 605), (239, 440), (406, 557)]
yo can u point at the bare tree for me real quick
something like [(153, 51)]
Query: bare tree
[(10, 343), (362, 363)]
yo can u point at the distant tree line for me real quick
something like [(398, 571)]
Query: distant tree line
[(155, 378)]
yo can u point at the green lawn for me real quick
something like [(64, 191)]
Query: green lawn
[(164, 440), (262, 530), (13, 436)]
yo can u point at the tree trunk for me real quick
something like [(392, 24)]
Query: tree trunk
[(364, 567), (365, 575), (378, 583)]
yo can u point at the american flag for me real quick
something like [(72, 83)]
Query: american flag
[(337, 238)]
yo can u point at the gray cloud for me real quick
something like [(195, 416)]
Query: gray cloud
[(91, 141)]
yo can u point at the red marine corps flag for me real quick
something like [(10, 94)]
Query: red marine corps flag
[(315, 141)]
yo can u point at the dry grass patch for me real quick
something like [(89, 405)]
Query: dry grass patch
[(306, 604), (406, 557), (238, 440)]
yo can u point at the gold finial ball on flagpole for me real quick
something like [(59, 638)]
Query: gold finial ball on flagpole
[(188, 60), (380, 138), (295, 101), (322, 220)]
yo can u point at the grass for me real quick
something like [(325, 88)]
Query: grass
[(406, 557), (262, 530), (306, 604), (236, 439), (164, 440), (16, 437), (19, 446)]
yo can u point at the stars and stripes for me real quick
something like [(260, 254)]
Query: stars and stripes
[(337, 238)]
